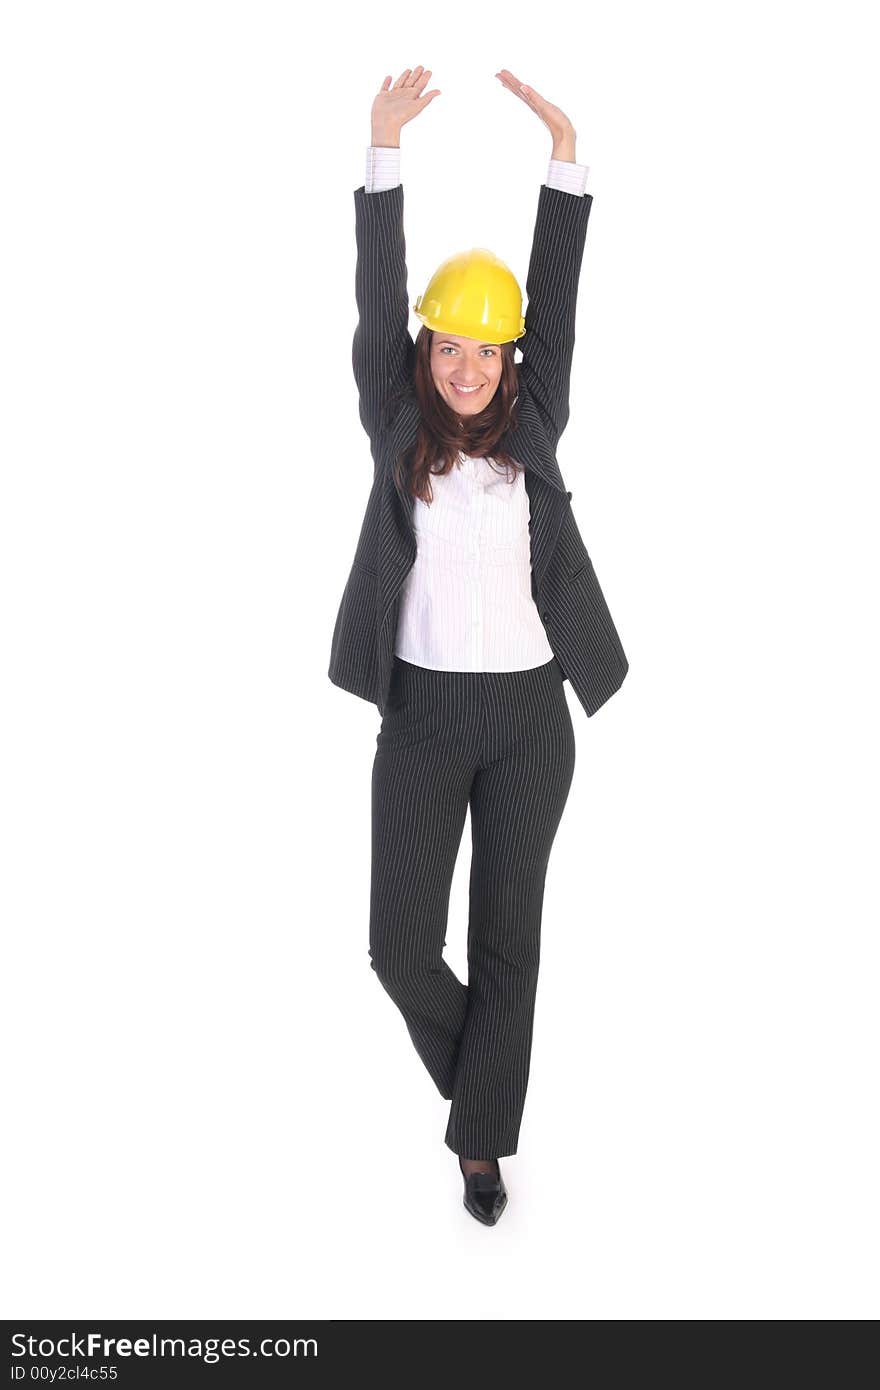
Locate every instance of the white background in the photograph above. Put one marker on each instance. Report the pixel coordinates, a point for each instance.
(214, 1110)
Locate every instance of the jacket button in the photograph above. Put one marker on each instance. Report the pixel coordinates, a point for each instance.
(568, 495)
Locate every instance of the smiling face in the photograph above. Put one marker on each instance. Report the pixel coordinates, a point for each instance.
(466, 372)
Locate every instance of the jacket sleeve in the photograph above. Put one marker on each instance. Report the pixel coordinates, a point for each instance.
(382, 350)
(552, 288)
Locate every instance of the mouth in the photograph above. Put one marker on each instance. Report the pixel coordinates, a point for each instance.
(465, 390)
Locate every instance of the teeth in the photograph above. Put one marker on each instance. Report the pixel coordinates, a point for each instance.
(466, 388)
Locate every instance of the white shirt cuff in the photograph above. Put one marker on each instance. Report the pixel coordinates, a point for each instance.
(567, 176)
(383, 171)
(383, 168)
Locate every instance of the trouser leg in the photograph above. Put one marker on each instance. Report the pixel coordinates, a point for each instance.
(516, 805)
(420, 786)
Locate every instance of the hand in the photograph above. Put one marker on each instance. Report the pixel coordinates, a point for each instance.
(556, 121)
(394, 106)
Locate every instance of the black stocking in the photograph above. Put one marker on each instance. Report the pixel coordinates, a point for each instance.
(478, 1165)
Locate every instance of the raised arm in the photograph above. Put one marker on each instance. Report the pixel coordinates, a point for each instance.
(552, 289)
(555, 264)
(382, 347)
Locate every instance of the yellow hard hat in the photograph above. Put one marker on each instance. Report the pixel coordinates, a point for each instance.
(473, 294)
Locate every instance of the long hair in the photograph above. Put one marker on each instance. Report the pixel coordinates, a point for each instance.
(440, 436)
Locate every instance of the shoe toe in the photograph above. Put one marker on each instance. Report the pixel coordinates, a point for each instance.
(485, 1197)
(490, 1207)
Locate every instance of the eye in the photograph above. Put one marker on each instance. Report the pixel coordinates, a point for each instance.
(447, 347)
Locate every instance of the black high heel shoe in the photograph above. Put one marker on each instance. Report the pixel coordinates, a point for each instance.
(485, 1195)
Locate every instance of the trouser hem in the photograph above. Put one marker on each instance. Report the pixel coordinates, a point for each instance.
(501, 1151)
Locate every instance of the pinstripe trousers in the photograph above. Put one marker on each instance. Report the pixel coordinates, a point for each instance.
(501, 743)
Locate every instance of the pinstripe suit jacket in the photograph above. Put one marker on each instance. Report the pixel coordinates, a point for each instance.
(573, 610)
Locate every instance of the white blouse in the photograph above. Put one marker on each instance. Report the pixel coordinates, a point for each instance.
(466, 604)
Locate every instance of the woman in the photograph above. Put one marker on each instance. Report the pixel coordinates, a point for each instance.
(474, 713)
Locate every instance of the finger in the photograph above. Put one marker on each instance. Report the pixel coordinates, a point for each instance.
(522, 87)
(384, 87)
(533, 102)
(510, 82)
(416, 74)
(423, 80)
(401, 81)
(534, 98)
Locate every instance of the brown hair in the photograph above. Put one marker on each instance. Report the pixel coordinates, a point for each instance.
(440, 437)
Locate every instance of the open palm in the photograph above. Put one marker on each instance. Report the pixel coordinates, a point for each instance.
(397, 104)
(554, 119)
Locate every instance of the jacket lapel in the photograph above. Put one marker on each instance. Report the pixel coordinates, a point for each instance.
(548, 499)
(397, 537)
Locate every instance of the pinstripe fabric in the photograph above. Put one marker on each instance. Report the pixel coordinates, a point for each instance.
(572, 607)
(552, 290)
(501, 743)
